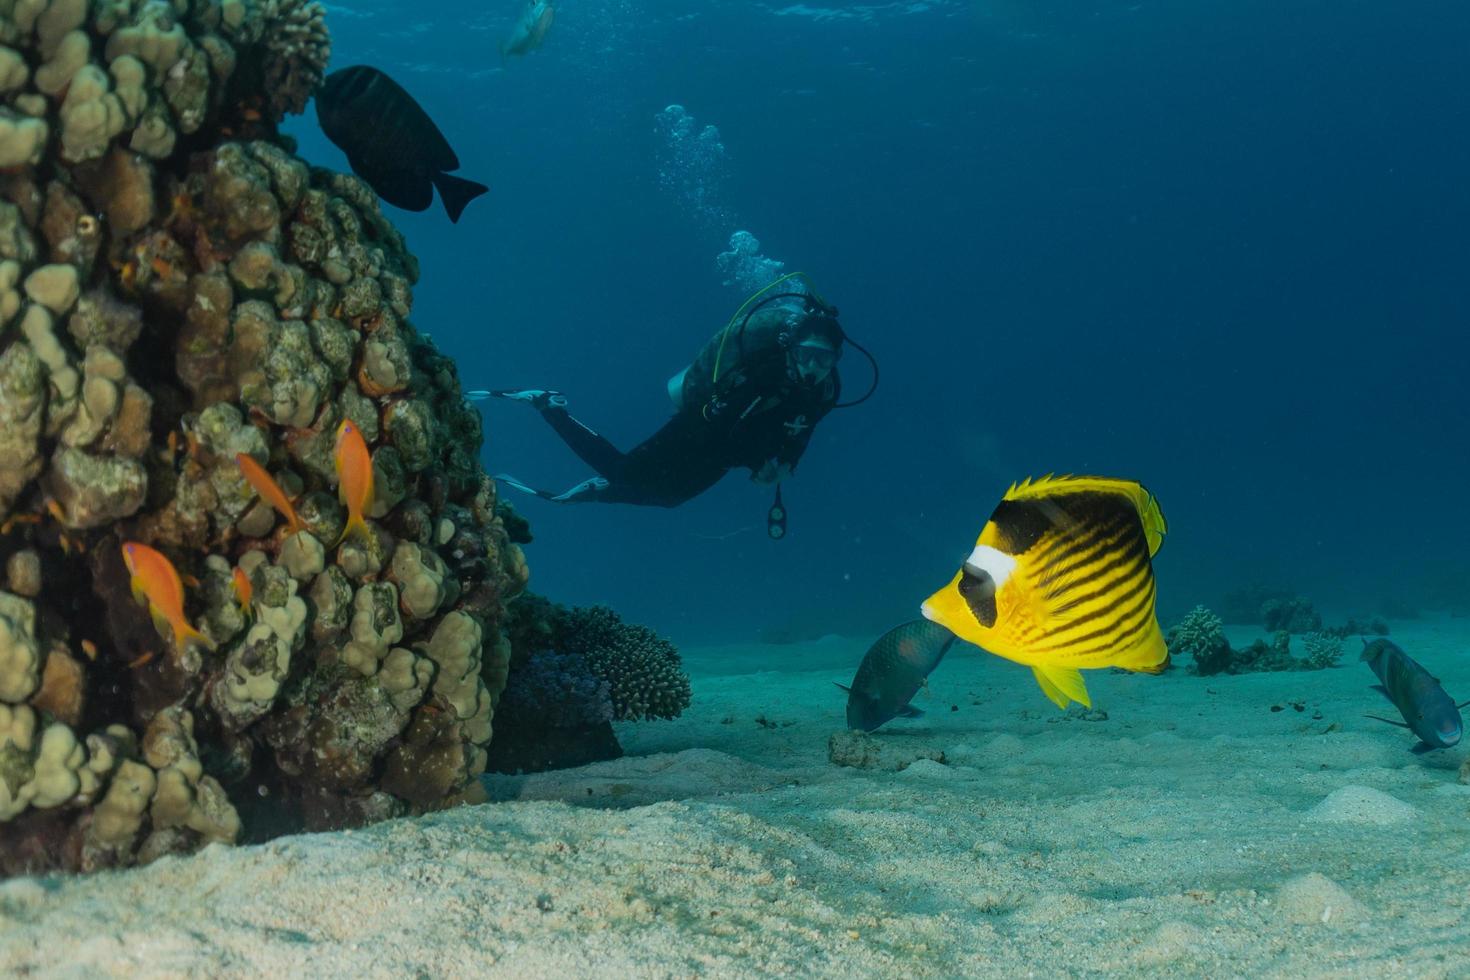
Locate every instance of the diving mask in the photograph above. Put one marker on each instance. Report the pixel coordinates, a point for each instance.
(812, 361)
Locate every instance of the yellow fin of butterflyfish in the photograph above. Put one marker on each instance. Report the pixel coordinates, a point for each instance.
(1062, 685)
(1149, 512)
(1150, 656)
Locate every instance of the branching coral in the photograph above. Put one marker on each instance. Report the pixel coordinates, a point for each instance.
(554, 714)
(1200, 634)
(643, 671)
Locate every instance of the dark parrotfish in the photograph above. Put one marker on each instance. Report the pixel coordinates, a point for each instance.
(1428, 711)
(391, 142)
(892, 671)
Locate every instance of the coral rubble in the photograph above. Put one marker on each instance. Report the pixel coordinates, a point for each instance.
(178, 290)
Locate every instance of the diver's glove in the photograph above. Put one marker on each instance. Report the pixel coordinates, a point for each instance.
(771, 471)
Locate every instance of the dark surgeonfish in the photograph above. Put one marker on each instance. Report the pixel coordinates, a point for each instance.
(390, 141)
(892, 671)
(1428, 711)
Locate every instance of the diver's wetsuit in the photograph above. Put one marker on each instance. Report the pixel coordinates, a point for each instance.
(762, 415)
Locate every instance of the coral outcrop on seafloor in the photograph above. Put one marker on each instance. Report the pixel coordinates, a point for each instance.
(643, 671)
(1201, 635)
(177, 288)
(573, 671)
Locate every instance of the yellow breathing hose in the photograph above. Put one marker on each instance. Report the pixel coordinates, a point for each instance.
(725, 334)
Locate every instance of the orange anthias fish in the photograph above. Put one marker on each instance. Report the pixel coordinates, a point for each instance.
(243, 589)
(354, 477)
(156, 581)
(270, 491)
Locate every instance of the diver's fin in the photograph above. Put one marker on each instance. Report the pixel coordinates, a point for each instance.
(1396, 724)
(586, 490)
(1062, 684)
(456, 192)
(909, 711)
(515, 484)
(478, 394)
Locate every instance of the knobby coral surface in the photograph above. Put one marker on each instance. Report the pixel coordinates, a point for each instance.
(176, 289)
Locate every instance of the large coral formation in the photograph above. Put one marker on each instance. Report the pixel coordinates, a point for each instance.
(175, 289)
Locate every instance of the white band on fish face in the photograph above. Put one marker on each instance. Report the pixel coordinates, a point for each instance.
(997, 564)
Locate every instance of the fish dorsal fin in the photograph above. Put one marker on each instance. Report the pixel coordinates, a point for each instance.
(1155, 527)
(1062, 685)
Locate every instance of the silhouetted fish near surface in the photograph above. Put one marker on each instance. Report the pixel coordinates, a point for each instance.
(530, 28)
(892, 671)
(1428, 711)
(391, 142)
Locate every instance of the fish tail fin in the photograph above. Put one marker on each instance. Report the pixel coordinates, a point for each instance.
(355, 525)
(183, 633)
(456, 192)
(1062, 684)
(294, 523)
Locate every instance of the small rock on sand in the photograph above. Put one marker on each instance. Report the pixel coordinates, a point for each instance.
(863, 751)
(1315, 899)
(1362, 805)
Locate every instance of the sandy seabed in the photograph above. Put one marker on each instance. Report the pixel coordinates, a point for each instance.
(1256, 825)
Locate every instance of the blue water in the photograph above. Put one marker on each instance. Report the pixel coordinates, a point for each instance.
(1218, 247)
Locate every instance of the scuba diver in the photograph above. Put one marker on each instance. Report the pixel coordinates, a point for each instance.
(752, 398)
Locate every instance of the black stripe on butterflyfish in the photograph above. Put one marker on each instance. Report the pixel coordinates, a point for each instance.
(1098, 548)
(1073, 518)
(1019, 524)
(1125, 624)
(977, 588)
(1101, 594)
(1108, 569)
